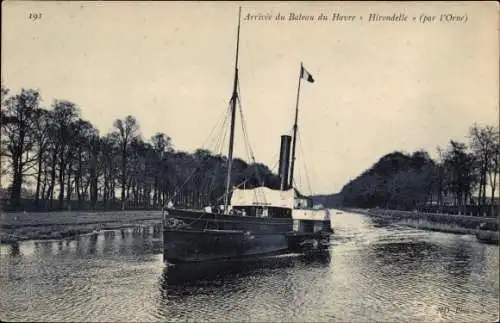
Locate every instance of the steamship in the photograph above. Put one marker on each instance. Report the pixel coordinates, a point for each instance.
(252, 222)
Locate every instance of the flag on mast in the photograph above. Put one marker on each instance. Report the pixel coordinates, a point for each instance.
(305, 74)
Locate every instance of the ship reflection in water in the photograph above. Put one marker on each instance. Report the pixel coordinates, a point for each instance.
(372, 271)
(177, 276)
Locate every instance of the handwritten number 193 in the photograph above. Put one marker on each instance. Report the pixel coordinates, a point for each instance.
(34, 16)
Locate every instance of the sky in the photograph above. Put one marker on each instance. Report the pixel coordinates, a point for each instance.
(379, 86)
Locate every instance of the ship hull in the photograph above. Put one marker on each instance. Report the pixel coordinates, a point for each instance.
(195, 236)
(195, 246)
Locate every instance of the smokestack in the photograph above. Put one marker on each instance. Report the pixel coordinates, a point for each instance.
(284, 161)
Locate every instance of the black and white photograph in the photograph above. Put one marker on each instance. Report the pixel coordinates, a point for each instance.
(249, 161)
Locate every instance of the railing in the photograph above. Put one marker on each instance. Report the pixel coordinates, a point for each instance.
(471, 210)
(29, 205)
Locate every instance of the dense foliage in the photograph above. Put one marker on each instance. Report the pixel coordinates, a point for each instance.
(55, 160)
(58, 160)
(460, 177)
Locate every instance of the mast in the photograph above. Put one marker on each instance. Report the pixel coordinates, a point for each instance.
(234, 97)
(295, 127)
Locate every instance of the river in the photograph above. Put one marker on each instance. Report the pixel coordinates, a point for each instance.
(373, 271)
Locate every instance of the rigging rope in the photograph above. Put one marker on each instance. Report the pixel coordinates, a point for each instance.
(232, 189)
(244, 128)
(248, 147)
(183, 184)
(221, 137)
(197, 168)
(218, 147)
(218, 142)
(305, 165)
(216, 126)
(249, 150)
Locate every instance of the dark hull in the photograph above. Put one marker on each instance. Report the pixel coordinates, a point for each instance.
(199, 220)
(194, 246)
(194, 236)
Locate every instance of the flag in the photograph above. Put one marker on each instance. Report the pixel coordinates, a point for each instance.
(305, 74)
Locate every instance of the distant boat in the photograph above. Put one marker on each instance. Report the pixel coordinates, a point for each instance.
(488, 233)
(252, 222)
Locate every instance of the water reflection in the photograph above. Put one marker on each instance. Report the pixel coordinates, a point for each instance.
(374, 271)
(92, 243)
(461, 262)
(238, 290)
(14, 249)
(218, 272)
(389, 253)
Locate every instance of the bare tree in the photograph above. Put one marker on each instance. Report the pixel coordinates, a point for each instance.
(70, 159)
(65, 114)
(494, 165)
(18, 118)
(125, 130)
(42, 124)
(461, 165)
(161, 147)
(84, 134)
(484, 145)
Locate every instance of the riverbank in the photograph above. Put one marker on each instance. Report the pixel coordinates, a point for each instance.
(450, 223)
(57, 225)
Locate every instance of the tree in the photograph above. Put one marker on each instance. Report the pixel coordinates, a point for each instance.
(94, 148)
(125, 131)
(84, 137)
(110, 166)
(65, 115)
(162, 146)
(43, 123)
(494, 164)
(3, 150)
(70, 159)
(18, 137)
(484, 145)
(461, 165)
(397, 181)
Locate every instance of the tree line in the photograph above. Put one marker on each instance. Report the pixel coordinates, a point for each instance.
(465, 174)
(54, 159)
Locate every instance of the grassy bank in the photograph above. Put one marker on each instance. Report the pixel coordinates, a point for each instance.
(437, 226)
(452, 223)
(57, 225)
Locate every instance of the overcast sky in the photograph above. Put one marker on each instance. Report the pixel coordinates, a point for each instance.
(380, 86)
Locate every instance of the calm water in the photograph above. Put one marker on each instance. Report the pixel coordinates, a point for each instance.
(373, 272)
